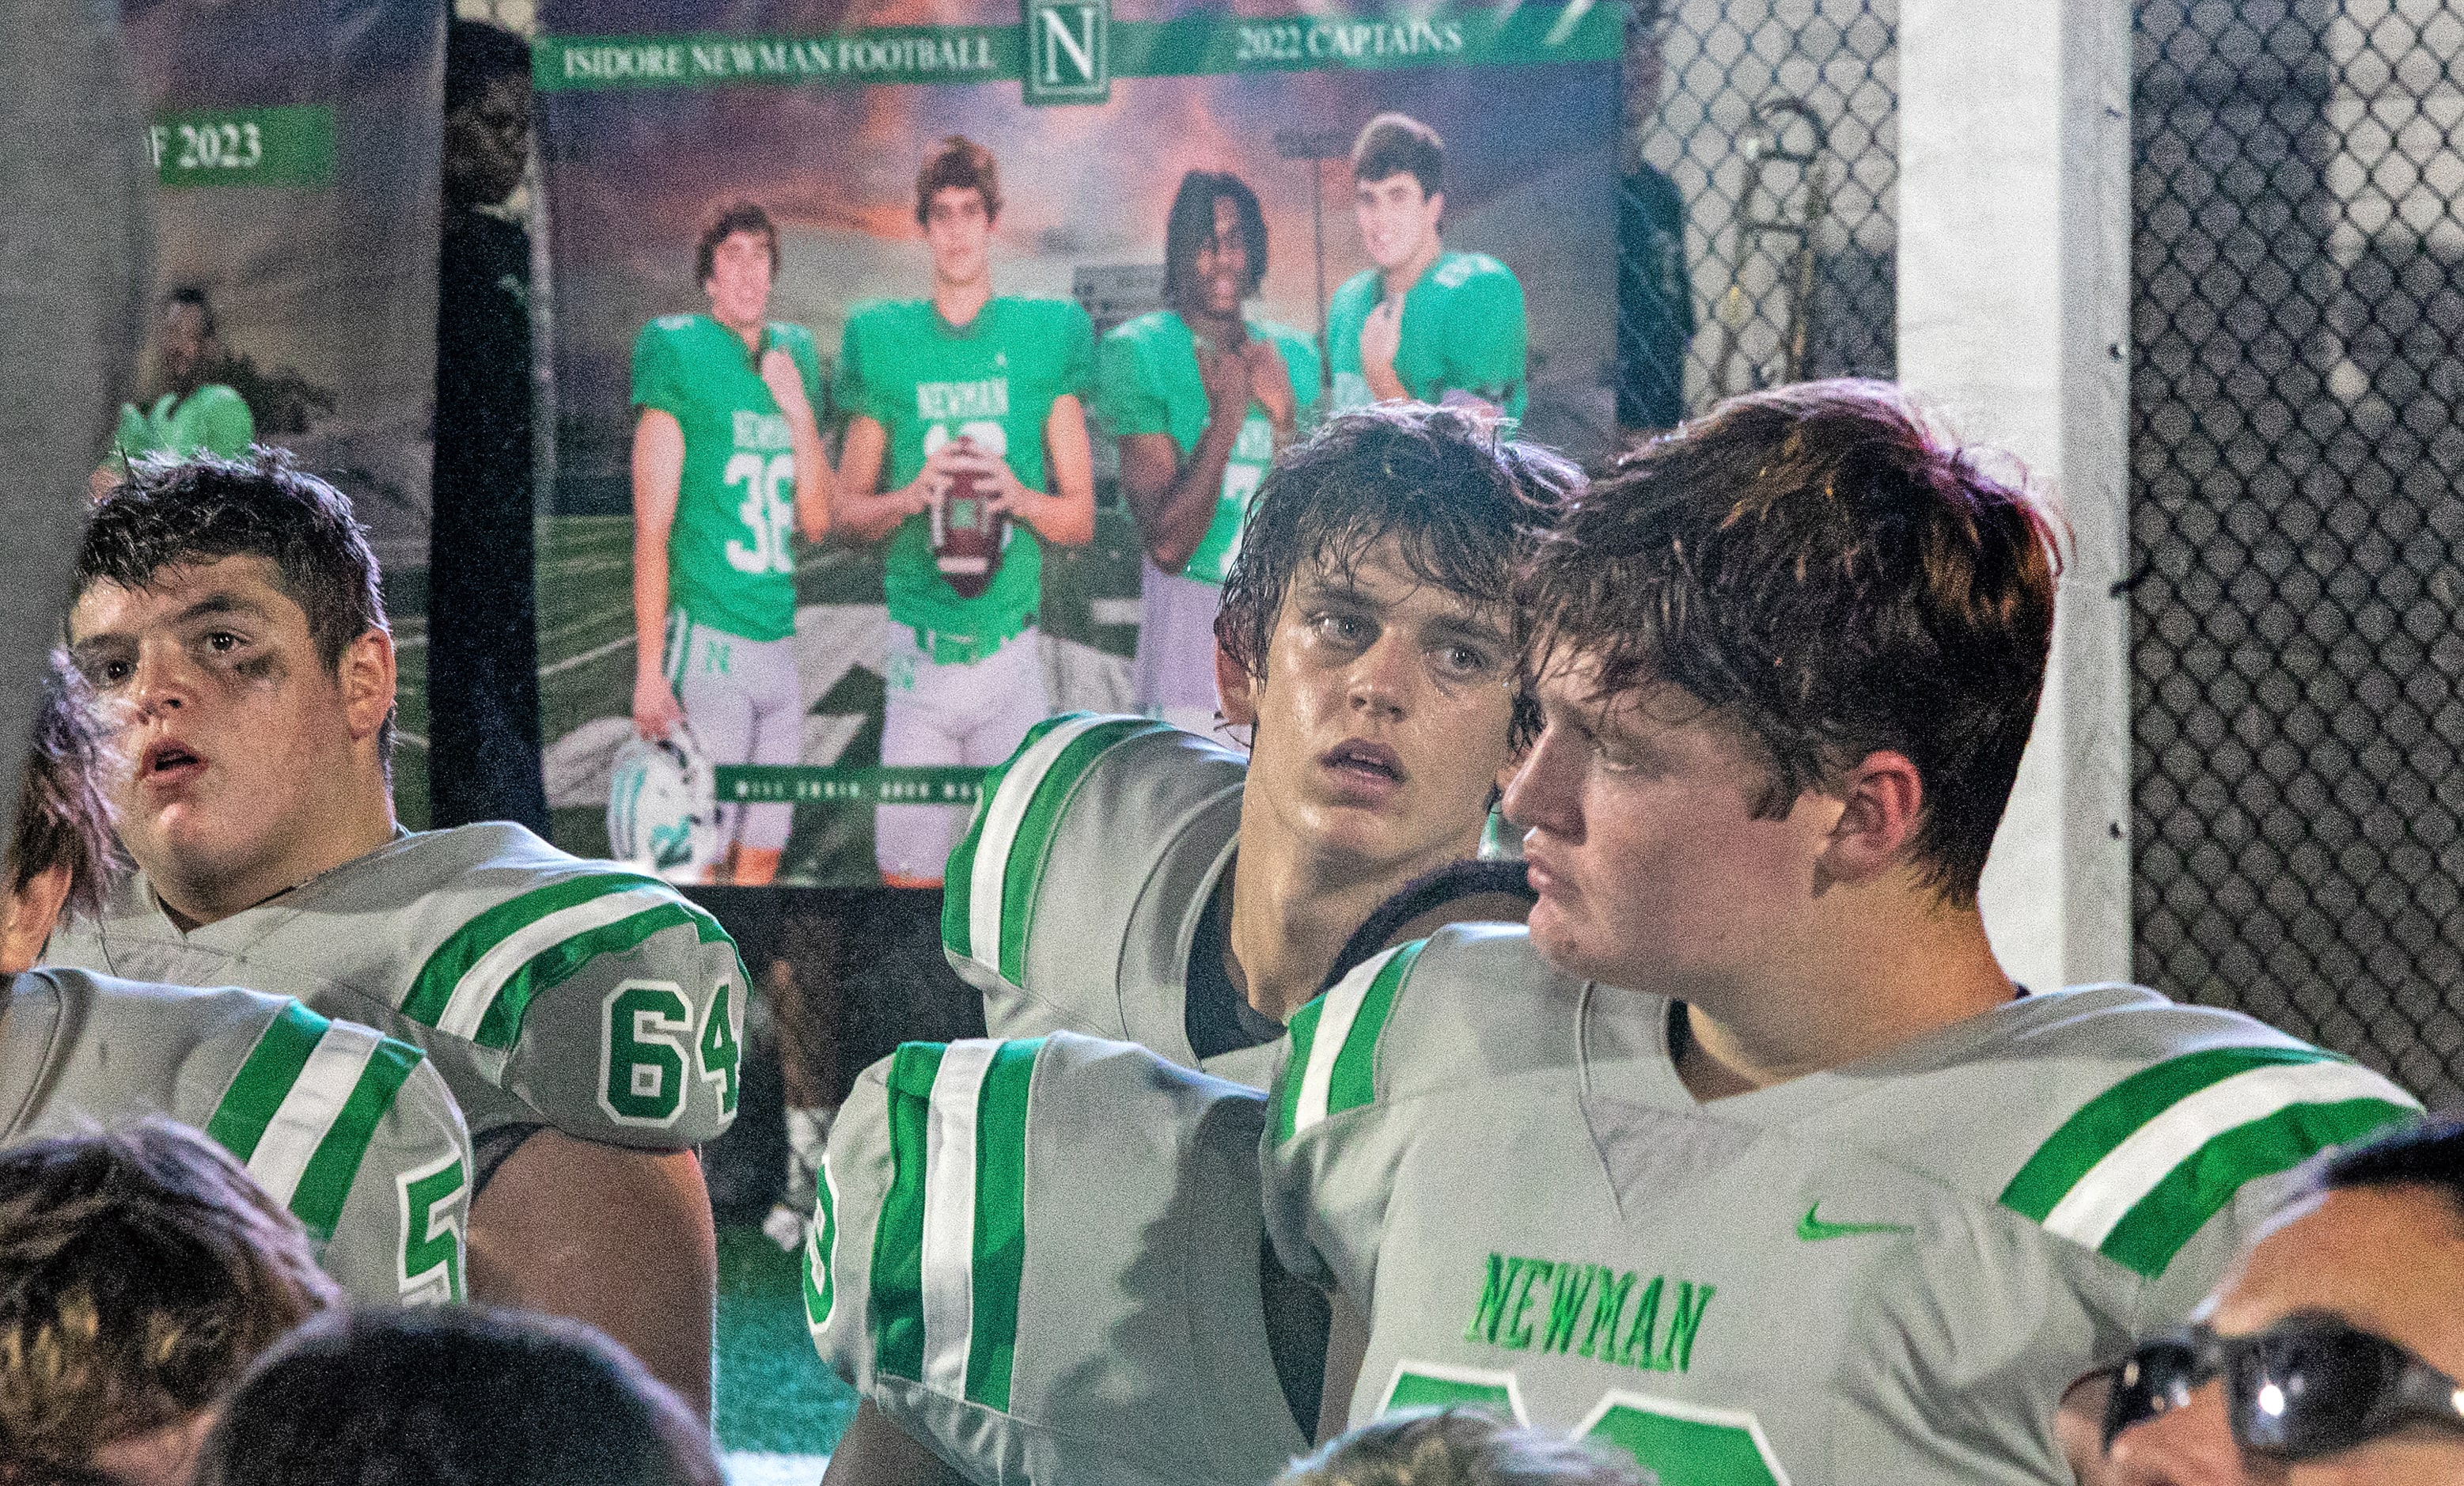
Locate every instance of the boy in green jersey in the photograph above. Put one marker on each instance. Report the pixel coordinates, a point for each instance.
(193, 415)
(1425, 323)
(728, 470)
(1200, 398)
(961, 389)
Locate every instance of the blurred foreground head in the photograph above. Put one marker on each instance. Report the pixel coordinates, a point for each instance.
(1458, 1447)
(471, 1396)
(141, 1273)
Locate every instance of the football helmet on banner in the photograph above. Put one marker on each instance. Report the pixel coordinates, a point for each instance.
(663, 804)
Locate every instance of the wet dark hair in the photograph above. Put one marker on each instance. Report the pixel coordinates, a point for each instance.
(1191, 223)
(458, 1394)
(958, 164)
(63, 818)
(476, 53)
(170, 514)
(1393, 144)
(1822, 569)
(1460, 499)
(725, 222)
(2426, 1152)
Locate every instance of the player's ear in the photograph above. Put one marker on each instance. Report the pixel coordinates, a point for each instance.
(26, 917)
(367, 676)
(1236, 690)
(1881, 800)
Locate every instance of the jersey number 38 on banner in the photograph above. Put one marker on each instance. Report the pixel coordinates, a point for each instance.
(769, 511)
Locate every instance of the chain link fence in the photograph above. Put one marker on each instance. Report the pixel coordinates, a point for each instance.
(1757, 222)
(2298, 299)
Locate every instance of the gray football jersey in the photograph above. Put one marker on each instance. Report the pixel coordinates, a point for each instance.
(352, 1131)
(1043, 1258)
(1073, 899)
(547, 990)
(1888, 1271)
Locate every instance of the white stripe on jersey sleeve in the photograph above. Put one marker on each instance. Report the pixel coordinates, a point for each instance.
(1002, 821)
(1333, 1029)
(949, 1259)
(477, 989)
(307, 1112)
(2090, 1211)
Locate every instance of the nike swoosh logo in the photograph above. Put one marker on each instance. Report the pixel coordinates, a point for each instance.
(1814, 1230)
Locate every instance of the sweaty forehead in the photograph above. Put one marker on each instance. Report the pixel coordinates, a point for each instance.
(2388, 1259)
(242, 583)
(1376, 573)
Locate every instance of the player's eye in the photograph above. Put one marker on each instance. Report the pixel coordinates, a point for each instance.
(110, 674)
(1460, 662)
(1341, 628)
(222, 642)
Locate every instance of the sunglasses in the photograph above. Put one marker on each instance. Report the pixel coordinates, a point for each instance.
(2307, 1387)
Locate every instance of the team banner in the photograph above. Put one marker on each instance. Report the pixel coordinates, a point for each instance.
(955, 281)
(296, 146)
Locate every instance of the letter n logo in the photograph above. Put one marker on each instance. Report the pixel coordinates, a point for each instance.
(1068, 50)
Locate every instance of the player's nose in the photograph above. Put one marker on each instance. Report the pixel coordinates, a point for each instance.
(1379, 682)
(1545, 792)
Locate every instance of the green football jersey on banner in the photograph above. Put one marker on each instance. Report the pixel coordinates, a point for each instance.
(1888, 1271)
(993, 383)
(1147, 381)
(548, 991)
(1073, 898)
(212, 420)
(351, 1130)
(1042, 1259)
(1463, 331)
(731, 554)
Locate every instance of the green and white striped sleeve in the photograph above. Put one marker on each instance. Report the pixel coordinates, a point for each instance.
(2161, 1167)
(603, 1000)
(356, 1134)
(988, 897)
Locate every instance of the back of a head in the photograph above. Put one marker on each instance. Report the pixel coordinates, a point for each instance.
(1835, 577)
(1458, 1447)
(63, 820)
(463, 1395)
(1460, 499)
(141, 1273)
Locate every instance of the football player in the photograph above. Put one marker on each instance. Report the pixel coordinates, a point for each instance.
(585, 1018)
(966, 419)
(1200, 399)
(728, 471)
(351, 1130)
(1366, 642)
(1130, 880)
(1425, 323)
(1761, 1169)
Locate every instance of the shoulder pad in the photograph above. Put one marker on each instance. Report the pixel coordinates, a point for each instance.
(668, 324)
(1029, 1311)
(1070, 898)
(2156, 1116)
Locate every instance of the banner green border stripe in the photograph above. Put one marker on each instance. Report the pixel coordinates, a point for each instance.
(2178, 1207)
(446, 966)
(2091, 1133)
(896, 1305)
(957, 877)
(264, 1079)
(325, 1183)
(1024, 871)
(1205, 45)
(1298, 1034)
(1000, 1220)
(1353, 1082)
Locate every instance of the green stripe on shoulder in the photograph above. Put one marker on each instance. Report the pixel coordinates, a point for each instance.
(325, 1184)
(1000, 1220)
(895, 1310)
(264, 1079)
(2195, 1191)
(1300, 1035)
(957, 877)
(2104, 1123)
(1024, 872)
(1353, 1082)
(446, 966)
(502, 1025)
